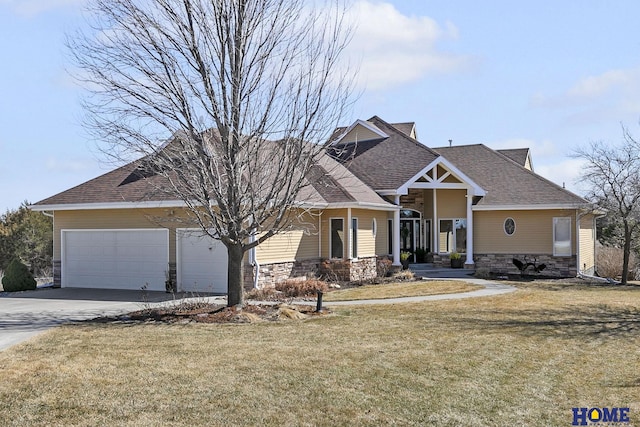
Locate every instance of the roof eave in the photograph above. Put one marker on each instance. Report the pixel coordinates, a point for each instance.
(548, 206)
(108, 205)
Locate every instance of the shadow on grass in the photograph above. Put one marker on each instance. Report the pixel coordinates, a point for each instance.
(592, 322)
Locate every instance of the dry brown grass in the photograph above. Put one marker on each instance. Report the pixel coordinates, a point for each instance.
(524, 358)
(402, 289)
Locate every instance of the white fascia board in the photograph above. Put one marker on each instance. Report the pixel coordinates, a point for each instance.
(109, 205)
(373, 128)
(357, 205)
(391, 192)
(476, 189)
(365, 205)
(525, 207)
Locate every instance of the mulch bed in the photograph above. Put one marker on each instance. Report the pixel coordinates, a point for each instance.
(202, 312)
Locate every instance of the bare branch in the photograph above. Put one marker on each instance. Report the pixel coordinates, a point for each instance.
(228, 101)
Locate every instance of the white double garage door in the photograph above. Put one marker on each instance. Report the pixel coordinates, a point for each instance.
(139, 258)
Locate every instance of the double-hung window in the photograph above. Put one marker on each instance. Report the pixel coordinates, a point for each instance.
(562, 236)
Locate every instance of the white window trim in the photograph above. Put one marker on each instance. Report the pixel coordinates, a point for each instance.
(353, 238)
(454, 234)
(504, 226)
(374, 228)
(331, 236)
(553, 237)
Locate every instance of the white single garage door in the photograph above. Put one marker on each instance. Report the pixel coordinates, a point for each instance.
(202, 263)
(115, 259)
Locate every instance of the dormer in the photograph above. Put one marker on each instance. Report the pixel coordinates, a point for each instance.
(360, 130)
(408, 128)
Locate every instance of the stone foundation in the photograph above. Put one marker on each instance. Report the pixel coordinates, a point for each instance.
(349, 270)
(273, 273)
(340, 270)
(502, 264)
(57, 273)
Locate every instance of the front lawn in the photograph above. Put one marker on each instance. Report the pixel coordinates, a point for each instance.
(525, 358)
(401, 289)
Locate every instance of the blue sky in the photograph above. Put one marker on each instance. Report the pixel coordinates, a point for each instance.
(549, 75)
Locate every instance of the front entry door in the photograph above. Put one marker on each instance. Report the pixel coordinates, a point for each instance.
(410, 236)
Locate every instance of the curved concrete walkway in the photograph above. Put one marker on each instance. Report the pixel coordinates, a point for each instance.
(26, 314)
(490, 289)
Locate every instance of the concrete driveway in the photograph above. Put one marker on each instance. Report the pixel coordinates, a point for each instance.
(25, 314)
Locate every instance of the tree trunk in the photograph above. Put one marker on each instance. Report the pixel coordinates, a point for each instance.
(626, 253)
(235, 285)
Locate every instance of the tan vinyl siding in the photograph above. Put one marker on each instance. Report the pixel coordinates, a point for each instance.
(100, 219)
(534, 231)
(451, 203)
(297, 244)
(360, 133)
(587, 235)
(428, 204)
(369, 246)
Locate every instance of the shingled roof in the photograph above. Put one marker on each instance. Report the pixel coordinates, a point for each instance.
(384, 163)
(507, 182)
(518, 155)
(328, 183)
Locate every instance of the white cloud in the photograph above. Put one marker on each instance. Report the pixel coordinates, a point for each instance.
(619, 87)
(31, 8)
(564, 171)
(596, 86)
(394, 49)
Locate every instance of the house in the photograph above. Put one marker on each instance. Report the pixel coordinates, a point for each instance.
(377, 191)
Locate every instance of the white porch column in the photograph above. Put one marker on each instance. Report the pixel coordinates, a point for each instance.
(469, 260)
(436, 223)
(396, 232)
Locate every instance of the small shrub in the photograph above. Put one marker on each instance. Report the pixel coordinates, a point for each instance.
(455, 255)
(301, 288)
(404, 275)
(384, 265)
(483, 273)
(17, 277)
(609, 262)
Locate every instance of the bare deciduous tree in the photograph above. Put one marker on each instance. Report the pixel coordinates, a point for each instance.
(242, 91)
(612, 174)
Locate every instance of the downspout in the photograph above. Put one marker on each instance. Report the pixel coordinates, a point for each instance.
(578, 270)
(53, 235)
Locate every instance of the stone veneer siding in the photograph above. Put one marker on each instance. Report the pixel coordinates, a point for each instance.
(503, 264)
(57, 273)
(344, 270)
(272, 273)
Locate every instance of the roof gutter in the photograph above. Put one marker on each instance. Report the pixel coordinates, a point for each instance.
(525, 207)
(109, 205)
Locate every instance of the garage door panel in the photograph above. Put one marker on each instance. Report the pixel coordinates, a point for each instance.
(202, 263)
(115, 259)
